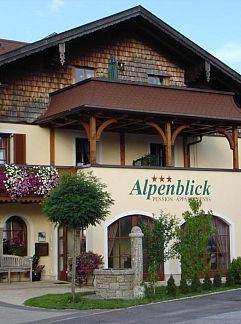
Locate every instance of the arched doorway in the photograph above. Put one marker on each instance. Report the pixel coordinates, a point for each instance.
(15, 236)
(119, 248)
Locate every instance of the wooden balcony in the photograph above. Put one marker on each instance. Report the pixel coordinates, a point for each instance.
(32, 198)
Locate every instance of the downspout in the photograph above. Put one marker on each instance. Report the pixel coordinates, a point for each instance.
(188, 148)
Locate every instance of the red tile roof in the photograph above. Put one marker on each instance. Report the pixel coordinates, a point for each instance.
(7, 45)
(136, 97)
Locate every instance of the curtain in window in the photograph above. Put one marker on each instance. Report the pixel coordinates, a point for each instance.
(112, 231)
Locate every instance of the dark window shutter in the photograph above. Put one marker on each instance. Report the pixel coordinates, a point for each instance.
(20, 148)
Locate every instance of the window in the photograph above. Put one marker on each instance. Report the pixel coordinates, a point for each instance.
(13, 148)
(82, 73)
(82, 151)
(15, 236)
(158, 154)
(158, 79)
(119, 246)
(4, 149)
(218, 246)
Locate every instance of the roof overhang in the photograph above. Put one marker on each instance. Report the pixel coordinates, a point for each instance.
(131, 101)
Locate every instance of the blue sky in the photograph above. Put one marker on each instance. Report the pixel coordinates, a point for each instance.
(215, 25)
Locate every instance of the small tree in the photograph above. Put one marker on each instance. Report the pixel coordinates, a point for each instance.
(158, 236)
(217, 280)
(207, 282)
(229, 278)
(193, 238)
(153, 275)
(77, 202)
(235, 269)
(171, 288)
(195, 283)
(183, 287)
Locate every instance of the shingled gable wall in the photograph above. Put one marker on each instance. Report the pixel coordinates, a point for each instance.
(25, 94)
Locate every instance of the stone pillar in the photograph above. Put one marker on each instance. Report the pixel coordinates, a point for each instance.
(136, 236)
(1, 240)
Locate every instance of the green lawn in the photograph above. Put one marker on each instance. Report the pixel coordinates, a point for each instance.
(64, 301)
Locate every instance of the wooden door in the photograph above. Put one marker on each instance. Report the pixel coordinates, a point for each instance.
(62, 253)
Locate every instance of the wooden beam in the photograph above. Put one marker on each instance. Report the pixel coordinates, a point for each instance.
(177, 132)
(103, 126)
(92, 139)
(235, 148)
(186, 155)
(168, 144)
(159, 131)
(122, 149)
(86, 128)
(228, 136)
(52, 145)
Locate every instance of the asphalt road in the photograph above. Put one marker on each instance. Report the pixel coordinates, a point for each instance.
(218, 309)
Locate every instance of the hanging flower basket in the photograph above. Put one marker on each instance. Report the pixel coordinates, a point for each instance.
(20, 182)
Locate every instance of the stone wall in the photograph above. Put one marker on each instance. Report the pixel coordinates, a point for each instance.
(114, 283)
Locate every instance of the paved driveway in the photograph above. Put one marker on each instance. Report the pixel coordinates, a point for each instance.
(218, 308)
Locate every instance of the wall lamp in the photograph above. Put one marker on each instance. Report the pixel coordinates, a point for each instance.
(121, 65)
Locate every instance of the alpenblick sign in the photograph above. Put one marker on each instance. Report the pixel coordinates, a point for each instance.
(169, 187)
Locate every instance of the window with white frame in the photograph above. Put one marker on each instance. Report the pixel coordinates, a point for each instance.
(82, 73)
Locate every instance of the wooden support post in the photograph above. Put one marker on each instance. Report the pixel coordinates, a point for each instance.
(122, 149)
(92, 139)
(168, 144)
(186, 156)
(235, 148)
(52, 146)
(1, 241)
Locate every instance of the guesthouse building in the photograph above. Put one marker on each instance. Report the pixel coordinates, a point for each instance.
(153, 115)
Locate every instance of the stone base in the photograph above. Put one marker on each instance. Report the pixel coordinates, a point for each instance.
(114, 283)
(139, 292)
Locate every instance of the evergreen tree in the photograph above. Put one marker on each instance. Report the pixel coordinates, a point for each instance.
(207, 282)
(229, 278)
(183, 287)
(195, 284)
(171, 288)
(217, 280)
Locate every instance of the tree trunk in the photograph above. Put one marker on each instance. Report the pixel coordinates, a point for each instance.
(74, 267)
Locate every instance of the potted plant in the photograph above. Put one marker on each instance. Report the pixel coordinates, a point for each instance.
(36, 268)
(86, 262)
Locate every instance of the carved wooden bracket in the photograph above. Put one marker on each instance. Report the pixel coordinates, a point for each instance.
(159, 131)
(177, 132)
(227, 135)
(103, 126)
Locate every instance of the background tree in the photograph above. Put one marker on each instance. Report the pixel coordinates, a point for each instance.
(159, 237)
(77, 202)
(192, 240)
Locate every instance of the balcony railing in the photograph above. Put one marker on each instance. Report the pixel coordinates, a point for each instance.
(28, 183)
(148, 160)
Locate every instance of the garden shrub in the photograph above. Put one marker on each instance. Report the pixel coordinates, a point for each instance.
(235, 269)
(217, 280)
(195, 284)
(229, 278)
(207, 282)
(171, 288)
(183, 287)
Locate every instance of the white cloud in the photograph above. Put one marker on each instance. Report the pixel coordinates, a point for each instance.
(53, 7)
(230, 53)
